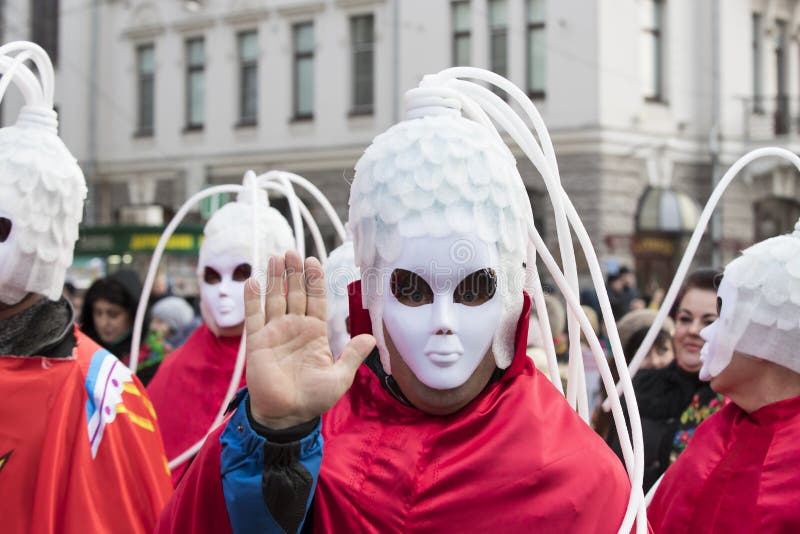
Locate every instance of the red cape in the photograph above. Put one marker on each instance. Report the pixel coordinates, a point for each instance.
(50, 480)
(739, 474)
(517, 458)
(189, 387)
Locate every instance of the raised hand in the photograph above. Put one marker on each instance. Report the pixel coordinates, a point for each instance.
(291, 373)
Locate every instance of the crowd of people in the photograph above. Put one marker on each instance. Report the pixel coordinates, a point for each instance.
(420, 408)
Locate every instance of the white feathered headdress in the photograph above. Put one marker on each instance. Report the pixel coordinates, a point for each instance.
(42, 188)
(438, 174)
(760, 312)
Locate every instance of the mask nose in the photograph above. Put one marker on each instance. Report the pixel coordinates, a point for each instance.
(443, 317)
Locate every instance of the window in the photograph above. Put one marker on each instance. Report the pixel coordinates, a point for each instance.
(195, 83)
(462, 39)
(44, 26)
(652, 54)
(362, 39)
(536, 49)
(498, 37)
(758, 104)
(145, 67)
(248, 77)
(303, 36)
(782, 120)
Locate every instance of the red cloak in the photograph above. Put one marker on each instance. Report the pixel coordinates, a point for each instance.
(517, 458)
(189, 388)
(739, 474)
(79, 447)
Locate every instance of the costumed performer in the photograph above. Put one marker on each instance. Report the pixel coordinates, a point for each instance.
(79, 446)
(191, 383)
(446, 401)
(739, 472)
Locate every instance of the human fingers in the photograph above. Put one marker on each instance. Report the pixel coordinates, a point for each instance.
(295, 286)
(315, 289)
(275, 303)
(353, 355)
(253, 316)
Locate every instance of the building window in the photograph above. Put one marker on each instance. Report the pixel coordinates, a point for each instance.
(536, 48)
(44, 26)
(758, 104)
(303, 37)
(145, 67)
(498, 37)
(781, 119)
(362, 39)
(248, 77)
(652, 53)
(461, 17)
(195, 83)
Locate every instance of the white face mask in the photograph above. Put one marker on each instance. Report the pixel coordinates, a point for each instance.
(722, 335)
(441, 307)
(222, 289)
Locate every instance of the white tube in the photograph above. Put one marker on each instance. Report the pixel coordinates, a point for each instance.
(43, 64)
(294, 211)
(319, 242)
(635, 507)
(694, 242)
(138, 321)
(319, 197)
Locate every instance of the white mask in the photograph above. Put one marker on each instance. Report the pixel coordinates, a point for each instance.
(222, 288)
(443, 339)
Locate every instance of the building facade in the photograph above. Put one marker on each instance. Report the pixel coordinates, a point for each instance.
(648, 102)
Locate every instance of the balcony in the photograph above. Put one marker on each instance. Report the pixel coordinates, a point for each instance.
(766, 118)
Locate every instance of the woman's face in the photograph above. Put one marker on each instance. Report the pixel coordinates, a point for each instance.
(697, 309)
(111, 321)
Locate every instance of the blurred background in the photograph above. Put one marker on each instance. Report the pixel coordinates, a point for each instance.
(648, 102)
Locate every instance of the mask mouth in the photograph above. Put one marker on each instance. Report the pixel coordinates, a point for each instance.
(443, 359)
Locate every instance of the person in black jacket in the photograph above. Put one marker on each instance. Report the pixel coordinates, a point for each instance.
(673, 400)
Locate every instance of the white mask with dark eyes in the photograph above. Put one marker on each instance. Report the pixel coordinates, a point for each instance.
(222, 288)
(6, 241)
(441, 307)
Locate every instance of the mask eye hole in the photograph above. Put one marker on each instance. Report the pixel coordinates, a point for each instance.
(410, 289)
(5, 229)
(476, 288)
(719, 306)
(211, 276)
(242, 272)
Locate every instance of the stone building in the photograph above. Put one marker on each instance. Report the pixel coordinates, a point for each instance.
(647, 101)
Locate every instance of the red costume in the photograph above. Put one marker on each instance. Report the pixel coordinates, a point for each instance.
(79, 447)
(739, 474)
(517, 458)
(189, 388)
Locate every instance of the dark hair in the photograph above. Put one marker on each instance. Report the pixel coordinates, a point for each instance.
(705, 278)
(121, 288)
(636, 339)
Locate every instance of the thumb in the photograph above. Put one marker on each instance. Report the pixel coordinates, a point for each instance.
(353, 355)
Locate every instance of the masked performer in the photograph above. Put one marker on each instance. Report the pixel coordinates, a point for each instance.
(340, 272)
(447, 426)
(79, 447)
(190, 386)
(739, 472)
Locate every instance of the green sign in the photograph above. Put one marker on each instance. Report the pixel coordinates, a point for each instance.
(108, 240)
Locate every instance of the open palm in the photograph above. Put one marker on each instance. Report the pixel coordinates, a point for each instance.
(291, 373)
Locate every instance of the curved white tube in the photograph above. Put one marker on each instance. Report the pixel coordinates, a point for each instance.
(306, 184)
(512, 123)
(308, 218)
(652, 493)
(43, 64)
(635, 508)
(138, 321)
(694, 242)
(294, 211)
